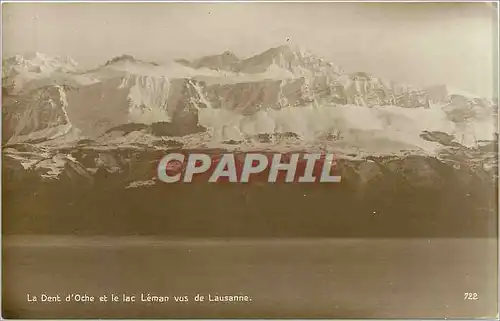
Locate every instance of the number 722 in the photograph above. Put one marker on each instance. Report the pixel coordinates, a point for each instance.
(471, 296)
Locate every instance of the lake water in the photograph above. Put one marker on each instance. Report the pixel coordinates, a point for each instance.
(293, 278)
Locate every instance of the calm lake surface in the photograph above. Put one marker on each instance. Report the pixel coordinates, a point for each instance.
(294, 278)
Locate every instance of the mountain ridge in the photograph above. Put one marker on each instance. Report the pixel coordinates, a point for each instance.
(126, 89)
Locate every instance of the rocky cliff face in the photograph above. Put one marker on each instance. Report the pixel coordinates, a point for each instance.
(43, 111)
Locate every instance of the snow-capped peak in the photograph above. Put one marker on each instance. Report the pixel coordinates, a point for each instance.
(36, 62)
(460, 92)
(291, 58)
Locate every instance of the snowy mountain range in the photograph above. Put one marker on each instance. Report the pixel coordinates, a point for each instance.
(296, 99)
(39, 89)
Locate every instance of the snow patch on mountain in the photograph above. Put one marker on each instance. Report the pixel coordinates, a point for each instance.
(127, 65)
(392, 127)
(460, 92)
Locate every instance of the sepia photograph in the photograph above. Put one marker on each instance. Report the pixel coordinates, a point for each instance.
(243, 160)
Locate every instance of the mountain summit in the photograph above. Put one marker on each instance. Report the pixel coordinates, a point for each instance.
(225, 61)
(292, 59)
(37, 63)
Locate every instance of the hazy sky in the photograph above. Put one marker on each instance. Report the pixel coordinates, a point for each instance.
(417, 43)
